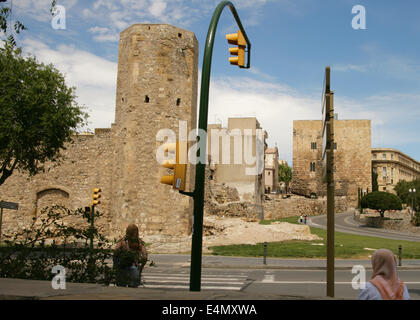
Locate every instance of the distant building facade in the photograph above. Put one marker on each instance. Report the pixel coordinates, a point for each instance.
(393, 166)
(352, 153)
(271, 170)
(221, 144)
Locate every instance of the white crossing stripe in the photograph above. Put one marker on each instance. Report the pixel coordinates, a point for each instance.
(182, 281)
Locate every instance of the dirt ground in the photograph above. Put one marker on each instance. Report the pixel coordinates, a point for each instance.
(226, 231)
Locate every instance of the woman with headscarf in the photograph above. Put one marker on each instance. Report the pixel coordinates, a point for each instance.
(130, 257)
(385, 284)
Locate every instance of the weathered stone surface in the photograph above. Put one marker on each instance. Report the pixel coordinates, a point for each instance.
(276, 207)
(156, 88)
(352, 158)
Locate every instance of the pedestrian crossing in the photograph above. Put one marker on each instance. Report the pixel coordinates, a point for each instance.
(209, 281)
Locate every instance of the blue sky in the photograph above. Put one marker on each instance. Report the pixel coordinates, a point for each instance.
(375, 72)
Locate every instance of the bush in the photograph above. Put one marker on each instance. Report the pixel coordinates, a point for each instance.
(381, 201)
(415, 220)
(33, 252)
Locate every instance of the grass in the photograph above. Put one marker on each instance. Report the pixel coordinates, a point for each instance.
(346, 246)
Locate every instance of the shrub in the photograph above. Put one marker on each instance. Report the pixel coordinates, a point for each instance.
(416, 219)
(33, 252)
(381, 201)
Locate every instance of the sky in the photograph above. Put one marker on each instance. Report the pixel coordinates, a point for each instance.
(375, 70)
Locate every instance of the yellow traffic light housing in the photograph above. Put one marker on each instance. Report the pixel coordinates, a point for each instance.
(179, 165)
(95, 196)
(239, 51)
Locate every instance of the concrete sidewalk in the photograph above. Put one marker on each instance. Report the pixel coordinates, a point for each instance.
(223, 262)
(18, 289)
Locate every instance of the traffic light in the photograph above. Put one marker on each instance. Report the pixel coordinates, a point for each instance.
(178, 165)
(95, 196)
(239, 51)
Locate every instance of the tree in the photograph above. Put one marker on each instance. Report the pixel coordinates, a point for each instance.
(381, 201)
(285, 174)
(38, 113)
(375, 186)
(402, 189)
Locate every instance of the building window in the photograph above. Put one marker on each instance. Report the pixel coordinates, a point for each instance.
(384, 171)
(384, 156)
(313, 145)
(374, 156)
(392, 172)
(268, 172)
(392, 156)
(384, 188)
(375, 170)
(312, 166)
(335, 145)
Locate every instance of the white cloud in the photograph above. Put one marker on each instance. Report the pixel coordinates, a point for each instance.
(157, 8)
(349, 67)
(276, 106)
(94, 78)
(39, 9)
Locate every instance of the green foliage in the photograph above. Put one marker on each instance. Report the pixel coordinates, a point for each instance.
(415, 220)
(381, 201)
(28, 256)
(375, 186)
(346, 246)
(38, 113)
(285, 173)
(402, 188)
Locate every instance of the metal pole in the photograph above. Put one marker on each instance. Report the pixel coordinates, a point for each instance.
(330, 187)
(91, 227)
(399, 255)
(1, 220)
(265, 252)
(197, 236)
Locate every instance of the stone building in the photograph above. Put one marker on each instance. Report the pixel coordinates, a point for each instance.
(393, 166)
(233, 156)
(271, 170)
(156, 88)
(352, 151)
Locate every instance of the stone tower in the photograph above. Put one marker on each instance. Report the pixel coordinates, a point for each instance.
(156, 88)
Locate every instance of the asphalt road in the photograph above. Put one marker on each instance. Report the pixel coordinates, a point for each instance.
(344, 222)
(298, 283)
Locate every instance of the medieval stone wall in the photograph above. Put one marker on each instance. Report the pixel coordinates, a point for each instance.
(276, 207)
(156, 88)
(84, 166)
(352, 157)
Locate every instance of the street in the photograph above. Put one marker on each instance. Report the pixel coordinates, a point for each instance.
(288, 277)
(308, 283)
(344, 222)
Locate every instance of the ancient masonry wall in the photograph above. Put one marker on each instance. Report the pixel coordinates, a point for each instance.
(352, 157)
(275, 207)
(85, 165)
(156, 88)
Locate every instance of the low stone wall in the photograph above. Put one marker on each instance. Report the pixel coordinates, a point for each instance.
(276, 207)
(401, 220)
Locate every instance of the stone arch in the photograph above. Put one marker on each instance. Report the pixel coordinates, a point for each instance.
(51, 196)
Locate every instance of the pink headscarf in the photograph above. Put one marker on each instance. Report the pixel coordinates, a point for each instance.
(385, 277)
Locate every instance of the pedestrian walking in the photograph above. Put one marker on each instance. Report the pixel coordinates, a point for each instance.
(384, 284)
(130, 257)
(301, 219)
(306, 217)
